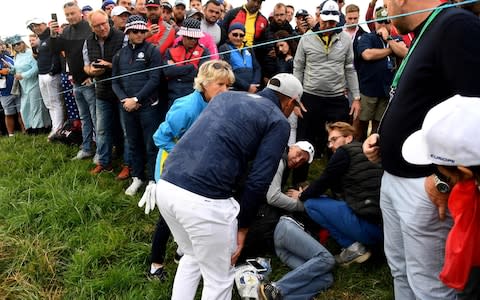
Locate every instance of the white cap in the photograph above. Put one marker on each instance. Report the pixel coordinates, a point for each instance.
(35, 20)
(307, 147)
(181, 2)
(118, 10)
(329, 11)
(289, 86)
(449, 135)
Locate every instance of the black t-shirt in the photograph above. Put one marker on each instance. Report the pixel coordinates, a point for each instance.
(445, 62)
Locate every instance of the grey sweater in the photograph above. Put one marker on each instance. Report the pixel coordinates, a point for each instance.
(276, 198)
(326, 71)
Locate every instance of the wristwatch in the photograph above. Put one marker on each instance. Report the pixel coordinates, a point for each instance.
(441, 185)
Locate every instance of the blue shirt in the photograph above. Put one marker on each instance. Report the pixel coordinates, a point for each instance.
(236, 131)
(374, 76)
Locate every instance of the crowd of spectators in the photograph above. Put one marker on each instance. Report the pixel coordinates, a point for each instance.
(134, 76)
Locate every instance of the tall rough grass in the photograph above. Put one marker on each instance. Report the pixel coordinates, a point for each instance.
(65, 234)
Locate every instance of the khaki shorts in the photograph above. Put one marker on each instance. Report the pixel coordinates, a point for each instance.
(372, 108)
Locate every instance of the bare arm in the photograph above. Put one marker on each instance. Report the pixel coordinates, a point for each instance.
(376, 54)
(398, 48)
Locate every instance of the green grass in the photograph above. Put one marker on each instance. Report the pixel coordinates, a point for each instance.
(65, 234)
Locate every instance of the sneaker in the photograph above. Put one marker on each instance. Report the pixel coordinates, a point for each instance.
(99, 169)
(124, 173)
(96, 159)
(51, 136)
(82, 155)
(159, 274)
(268, 291)
(356, 252)
(133, 188)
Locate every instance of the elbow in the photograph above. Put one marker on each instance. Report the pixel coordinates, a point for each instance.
(367, 56)
(272, 198)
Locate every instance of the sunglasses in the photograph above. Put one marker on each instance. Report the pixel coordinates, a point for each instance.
(330, 12)
(219, 66)
(235, 34)
(136, 31)
(384, 22)
(16, 44)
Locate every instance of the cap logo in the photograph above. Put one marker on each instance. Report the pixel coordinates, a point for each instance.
(444, 159)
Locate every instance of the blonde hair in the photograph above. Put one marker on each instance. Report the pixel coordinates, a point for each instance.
(94, 13)
(211, 71)
(345, 129)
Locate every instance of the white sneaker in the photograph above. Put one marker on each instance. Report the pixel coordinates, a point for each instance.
(96, 159)
(82, 155)
(133, 188)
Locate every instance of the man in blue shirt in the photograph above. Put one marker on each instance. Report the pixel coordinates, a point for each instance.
(378, 53)
(238, 135)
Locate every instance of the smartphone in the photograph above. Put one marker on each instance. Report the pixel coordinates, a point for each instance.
(100, 66)
(54, 17)
(256, 265)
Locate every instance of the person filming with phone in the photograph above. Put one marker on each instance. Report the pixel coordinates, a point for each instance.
(98, 52)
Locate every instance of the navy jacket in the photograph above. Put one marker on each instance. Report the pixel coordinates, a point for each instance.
(237, 134)
(143, 85)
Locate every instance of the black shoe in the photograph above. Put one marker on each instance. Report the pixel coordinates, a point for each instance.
(268, 291)
(177, 258)
(160, 275)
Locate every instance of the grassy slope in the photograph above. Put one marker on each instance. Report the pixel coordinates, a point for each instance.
(65, 234)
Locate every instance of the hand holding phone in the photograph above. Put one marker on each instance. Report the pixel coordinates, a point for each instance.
(54, 27)
(97, 64)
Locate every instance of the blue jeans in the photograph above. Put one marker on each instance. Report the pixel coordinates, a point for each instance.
(342, 223)
(85, 97)
(310, 262)
(140, 125)
(108, 128)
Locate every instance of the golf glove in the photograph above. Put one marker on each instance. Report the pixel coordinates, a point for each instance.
(149, 197)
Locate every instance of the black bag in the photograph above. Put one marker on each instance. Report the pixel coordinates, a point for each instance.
(259, 240)
(69, 134)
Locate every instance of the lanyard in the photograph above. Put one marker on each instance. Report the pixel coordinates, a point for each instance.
(405, 60)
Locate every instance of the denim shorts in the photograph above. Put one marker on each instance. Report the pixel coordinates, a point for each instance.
(10, 104)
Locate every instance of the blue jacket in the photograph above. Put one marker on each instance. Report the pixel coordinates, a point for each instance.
(244, 65)
(143, 85)
(9, 77)
(237, 134)
(179, 118)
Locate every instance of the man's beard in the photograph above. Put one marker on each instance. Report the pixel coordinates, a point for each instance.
(155, 19)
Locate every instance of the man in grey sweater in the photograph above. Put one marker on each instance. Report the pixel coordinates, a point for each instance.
(324, 64)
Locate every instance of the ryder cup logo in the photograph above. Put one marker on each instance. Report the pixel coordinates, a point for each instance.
(444, 159)
(140, 55)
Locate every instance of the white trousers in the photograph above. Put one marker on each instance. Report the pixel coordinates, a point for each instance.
(206, 232)
(414, 239)
(50, 90)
